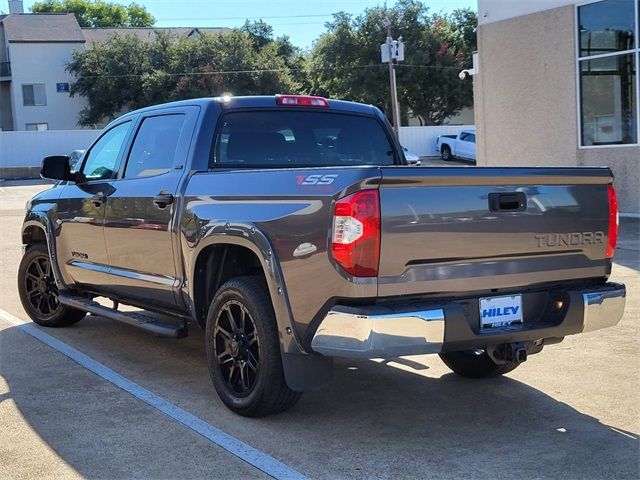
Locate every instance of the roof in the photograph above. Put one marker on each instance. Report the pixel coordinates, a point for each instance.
(99, 35)
(42, 27)
(261, 102)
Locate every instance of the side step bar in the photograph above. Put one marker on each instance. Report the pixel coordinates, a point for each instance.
(135, 319)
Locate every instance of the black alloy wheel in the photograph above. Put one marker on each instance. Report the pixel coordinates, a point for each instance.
(39, 292)
(40, 286)
(237, 348)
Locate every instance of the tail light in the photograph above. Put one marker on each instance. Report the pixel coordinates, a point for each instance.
(301, 101)
(356, 233)
(612, 238)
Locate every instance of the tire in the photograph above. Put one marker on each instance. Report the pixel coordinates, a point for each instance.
(475, 364)
(244, 357)
(39, 293)
(445, 153)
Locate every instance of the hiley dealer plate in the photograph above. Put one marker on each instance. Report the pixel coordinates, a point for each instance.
(500, 311)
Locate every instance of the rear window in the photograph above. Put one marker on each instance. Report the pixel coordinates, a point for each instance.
(279, 138)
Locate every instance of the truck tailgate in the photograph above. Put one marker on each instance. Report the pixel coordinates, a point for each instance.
(448, 230)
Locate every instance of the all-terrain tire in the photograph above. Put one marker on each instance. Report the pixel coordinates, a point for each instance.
(255, 342)
(475, 364)
(39, 293)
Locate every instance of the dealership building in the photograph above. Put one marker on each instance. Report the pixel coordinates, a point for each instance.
(556, 84)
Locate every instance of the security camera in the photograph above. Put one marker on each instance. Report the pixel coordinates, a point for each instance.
(463, 74)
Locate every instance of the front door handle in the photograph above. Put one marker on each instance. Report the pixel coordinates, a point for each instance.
(98, 199)
(162, 200)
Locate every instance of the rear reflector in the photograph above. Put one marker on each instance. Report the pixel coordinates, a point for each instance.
(301, 101)
(355, 241)
(612, 238)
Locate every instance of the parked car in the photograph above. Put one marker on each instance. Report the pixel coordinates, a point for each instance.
(412, 158)
(462, 146)
(289, 248)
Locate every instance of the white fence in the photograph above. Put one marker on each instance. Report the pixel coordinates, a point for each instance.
(422, 140)
(27, 149)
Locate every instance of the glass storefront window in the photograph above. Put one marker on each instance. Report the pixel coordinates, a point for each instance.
(607, 66)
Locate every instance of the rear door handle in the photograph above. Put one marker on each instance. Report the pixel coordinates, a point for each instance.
(98, 199)
(162, 200)
(508, 202)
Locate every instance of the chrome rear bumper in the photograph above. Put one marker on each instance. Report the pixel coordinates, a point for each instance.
(358, 333)
(603, 309)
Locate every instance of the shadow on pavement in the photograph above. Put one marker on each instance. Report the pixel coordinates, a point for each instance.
(374, 420)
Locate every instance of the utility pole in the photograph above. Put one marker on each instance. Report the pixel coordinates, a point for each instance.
(394, 50)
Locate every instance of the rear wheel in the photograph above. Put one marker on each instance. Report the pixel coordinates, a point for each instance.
(39, 293)
(445, 152)
(475, 364)
(243, 350)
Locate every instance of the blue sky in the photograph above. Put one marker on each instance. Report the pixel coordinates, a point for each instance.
(302, 20)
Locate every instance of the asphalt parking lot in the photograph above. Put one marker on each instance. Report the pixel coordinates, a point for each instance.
(572, 411)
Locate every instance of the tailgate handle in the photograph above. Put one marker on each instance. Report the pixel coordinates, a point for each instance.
(507, 202)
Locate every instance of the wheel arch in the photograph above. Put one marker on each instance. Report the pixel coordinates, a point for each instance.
(37, 227)
(242, 250)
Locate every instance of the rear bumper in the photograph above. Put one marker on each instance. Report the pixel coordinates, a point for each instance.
(383, 332)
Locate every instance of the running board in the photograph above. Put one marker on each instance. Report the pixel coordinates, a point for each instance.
(135, 319)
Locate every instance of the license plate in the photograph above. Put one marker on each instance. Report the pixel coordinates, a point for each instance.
(500, 311)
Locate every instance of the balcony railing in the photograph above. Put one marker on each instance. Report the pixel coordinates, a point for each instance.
(5, 69)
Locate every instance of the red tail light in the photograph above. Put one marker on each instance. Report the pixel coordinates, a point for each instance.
(301, 101)
(356, 233)
(613, 222)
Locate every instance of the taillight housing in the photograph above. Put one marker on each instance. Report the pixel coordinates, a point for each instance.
(612, 238)
(301, 101)
(355, 239)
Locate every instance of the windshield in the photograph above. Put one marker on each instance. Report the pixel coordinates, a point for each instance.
(278, 138)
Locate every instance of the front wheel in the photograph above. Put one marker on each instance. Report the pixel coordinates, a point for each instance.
(243, 350)
(39, 293)
(475, 364)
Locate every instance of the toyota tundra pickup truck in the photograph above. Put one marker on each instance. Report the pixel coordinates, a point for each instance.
(292, 231)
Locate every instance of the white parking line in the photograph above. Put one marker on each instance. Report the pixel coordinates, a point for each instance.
(252, 456)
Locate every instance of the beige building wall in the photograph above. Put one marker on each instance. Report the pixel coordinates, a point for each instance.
(526, 101)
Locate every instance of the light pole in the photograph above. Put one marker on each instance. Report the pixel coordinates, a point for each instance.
(390, 50)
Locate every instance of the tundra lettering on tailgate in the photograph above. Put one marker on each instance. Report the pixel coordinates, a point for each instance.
(570, 239)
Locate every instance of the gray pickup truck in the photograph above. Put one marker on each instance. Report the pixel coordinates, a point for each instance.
(292, 231)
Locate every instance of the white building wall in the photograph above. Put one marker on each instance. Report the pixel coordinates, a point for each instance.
(44, 63)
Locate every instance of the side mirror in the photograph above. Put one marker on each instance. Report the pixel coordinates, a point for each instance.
(56, 167)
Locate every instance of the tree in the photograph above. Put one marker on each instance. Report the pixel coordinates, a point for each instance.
(125, 72)
(345, 61)
(98, 13)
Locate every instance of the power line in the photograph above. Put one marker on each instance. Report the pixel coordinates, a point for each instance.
(270, 70)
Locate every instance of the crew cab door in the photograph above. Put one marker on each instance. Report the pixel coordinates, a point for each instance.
(141, 212)
(465, 145)
(80, 246)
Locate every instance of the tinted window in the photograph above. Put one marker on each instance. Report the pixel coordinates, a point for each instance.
(607, 26)
(101, 160)
(292, 138)
(464, 137)
(471, 138)
(154, 146)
